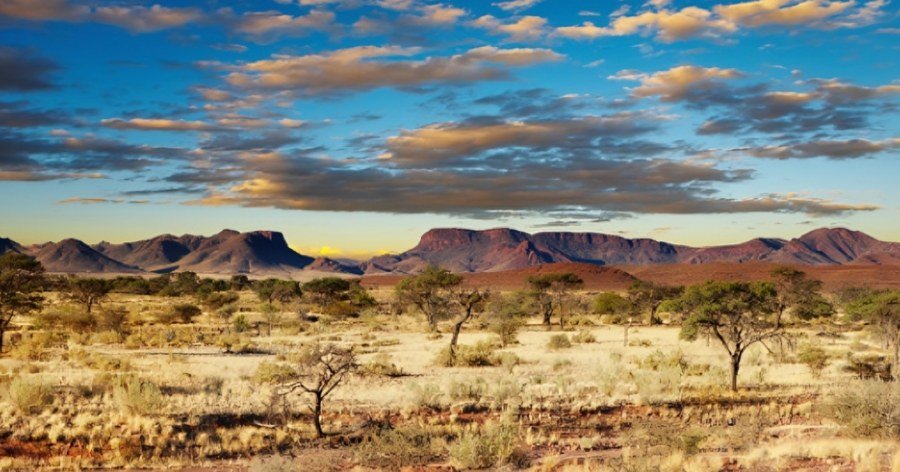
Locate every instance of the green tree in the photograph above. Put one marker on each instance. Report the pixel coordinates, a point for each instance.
(429, 292)
(240, 282)
(88, 292)
(799, 294)
(611, 303)
(646, 298)
(882, 309)
(21, 278)
(327, 290)
(737, 314)
(551, 293)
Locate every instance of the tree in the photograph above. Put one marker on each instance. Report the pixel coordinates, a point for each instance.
(506, 314)
(611, 303)
(799, 294)
(88, 292)
(738, 314)
(429, 292)
(470, 301)
(327, 290)
(20, 278)
(275, 290)
(646, 297)
(551, 292)
(239, 282)
(184, 283)
(882, 309)
(317, 371)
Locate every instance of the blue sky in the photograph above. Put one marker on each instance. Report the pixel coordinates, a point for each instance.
(353, 126)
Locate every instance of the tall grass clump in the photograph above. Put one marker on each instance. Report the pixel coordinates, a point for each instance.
(138, 396)
(28, 395)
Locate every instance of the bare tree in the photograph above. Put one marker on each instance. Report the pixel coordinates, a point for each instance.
(318, 370)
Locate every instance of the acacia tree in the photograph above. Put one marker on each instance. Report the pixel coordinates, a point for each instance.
(798, 293)
(551, 293)
(317, 371)
(882, 309)
(470, 301)
(738, 314)
(88, 292)
(20, 278)
(646, 298)
(327, 290)
(429, 292)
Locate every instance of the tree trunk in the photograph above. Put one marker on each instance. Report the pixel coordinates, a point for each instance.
(317, 416)
(2, 334)
(625, 341)
(735, 367)
(454, 339)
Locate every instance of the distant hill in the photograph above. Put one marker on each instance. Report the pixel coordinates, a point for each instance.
(74, 256)
(463, 250)
(266, 253)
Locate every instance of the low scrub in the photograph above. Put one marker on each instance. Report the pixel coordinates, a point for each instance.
(481, 354)
(28, 395)
(559, 341)
(491, 445)
(867, 409)
(137, 396)
(396, 448)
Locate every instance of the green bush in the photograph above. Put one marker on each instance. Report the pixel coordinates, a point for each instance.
(813, 357)
(559, 341)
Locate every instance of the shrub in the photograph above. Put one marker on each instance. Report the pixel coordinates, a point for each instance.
(66, 317)
(35, 346)
(493, 445)
(241, 324)
(481, 354)
(273, 373)
(507, 329)
(28, 395)
(138, 396)
(112, 319)
(185, 312)
(559, 341)
(427, 396)
(393, 449)
(382, 366)
(867, 409)
(462, 390)
(583, 337)
(814, 357)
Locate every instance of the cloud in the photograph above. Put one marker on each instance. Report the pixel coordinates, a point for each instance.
(816, 105)
(44, 10)
(670, 25)
(140, 19)
(850, 149)
(678, 82)
(526, 28)
(18, 115)
(516, 5)
(273, 24)
(156, 124)
(432, 144)
(23, 71)
(366, 67)
(780, 12)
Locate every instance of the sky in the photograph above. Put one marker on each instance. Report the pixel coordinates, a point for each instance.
(354, 126)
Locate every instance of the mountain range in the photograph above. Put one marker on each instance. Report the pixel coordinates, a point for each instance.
(459, 250)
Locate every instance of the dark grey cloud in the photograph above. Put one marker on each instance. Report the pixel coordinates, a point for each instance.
(22, 71)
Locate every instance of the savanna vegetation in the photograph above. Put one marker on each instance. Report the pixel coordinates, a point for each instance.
(185, 371)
